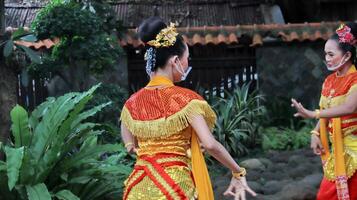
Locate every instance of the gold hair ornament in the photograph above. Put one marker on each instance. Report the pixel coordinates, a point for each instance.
(166, 37)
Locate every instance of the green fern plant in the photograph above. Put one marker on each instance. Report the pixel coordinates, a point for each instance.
(55, 153)
(275, 138)
(237, 126)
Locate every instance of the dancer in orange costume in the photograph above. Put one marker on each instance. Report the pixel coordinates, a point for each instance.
(163, 124)
(338, 118)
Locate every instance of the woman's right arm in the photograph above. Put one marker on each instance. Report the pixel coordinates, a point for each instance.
(128, 139)
(216, 149)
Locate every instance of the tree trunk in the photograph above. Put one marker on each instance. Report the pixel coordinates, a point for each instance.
(8, 82)
(8, 95)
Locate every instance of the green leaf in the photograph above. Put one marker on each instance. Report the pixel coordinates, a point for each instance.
(18, 33)
(29, 38)
(89, 142)
(66, 195)
(38, 192)
(40, 110)
(2, 166)
(9, 47)
(14, 161)
(81, 180)
(88, 153)
(47, 128)
(75, 106)
(88, 113)
(31, 54)
(20, 127)
(53, 130)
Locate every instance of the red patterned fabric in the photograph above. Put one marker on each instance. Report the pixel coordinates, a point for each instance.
(341, 84)
(328, 189)
(151, 104)
(159, 168)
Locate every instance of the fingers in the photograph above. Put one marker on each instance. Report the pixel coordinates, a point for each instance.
(296, 104)
(299, 107)
(242, 196)
(297, 115)
(321, 149)
(316, 151)
(132, 150)
(237, 196)
(229, 191)
(248, 189)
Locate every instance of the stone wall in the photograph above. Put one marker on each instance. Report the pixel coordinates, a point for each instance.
(292, 70)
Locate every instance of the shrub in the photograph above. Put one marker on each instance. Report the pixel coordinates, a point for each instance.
(275, 138)
(55, 153)
(238, 117)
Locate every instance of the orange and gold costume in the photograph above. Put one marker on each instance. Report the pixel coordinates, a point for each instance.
(170, 164)
(340, 164)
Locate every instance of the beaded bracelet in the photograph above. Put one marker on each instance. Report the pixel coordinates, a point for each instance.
(317, 114)
(239, 175)
(315, 132)
(128, 144)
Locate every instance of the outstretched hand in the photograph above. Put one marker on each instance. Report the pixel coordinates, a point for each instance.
(238, 188)
(301, 111)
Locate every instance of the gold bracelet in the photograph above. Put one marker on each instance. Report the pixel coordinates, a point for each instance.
(239, 175)
(128, 144)
(317, 114)
(315, 132)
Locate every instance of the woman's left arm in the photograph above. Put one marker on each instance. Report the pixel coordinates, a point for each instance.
(347, 108)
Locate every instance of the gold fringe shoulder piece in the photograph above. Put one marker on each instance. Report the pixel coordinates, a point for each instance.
(165, 127)
(353, 89)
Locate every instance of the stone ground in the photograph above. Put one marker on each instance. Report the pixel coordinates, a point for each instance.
(289, 175)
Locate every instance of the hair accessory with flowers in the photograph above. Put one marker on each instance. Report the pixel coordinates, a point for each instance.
(345, 35)
(166, 37)
(150, 57)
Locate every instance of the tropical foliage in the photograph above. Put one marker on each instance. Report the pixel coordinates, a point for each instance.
(87, 34)
(55, 153)
(12, 50)
(237, 126)
(109, 115)
(287, 138)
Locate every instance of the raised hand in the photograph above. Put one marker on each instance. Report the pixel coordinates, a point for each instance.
(238, 188)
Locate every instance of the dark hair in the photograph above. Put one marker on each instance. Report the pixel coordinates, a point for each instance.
(148, 30)
(345, 47)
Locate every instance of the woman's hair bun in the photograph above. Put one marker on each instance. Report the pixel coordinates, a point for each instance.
(149, 28)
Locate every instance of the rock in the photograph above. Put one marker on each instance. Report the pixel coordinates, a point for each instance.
(255, 186)
(279, 168)
(266, 162)
(268, 176)
(253, 164)
(309, 153)
(298, 172)
(218, 193)
(312, 180)
(296, 160)
(253, 175)
(271, 187)
(287, 175)
(221, 181)
(296, 191)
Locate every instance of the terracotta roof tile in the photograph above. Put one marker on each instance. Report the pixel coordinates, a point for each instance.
(257, 40)
(293, 36)
(232, 38)
(306, 36)
(230, 34)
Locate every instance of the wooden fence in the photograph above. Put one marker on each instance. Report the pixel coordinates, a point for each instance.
(216, 68)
